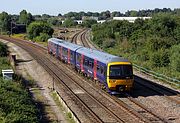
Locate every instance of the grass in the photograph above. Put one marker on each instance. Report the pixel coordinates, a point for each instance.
(42, 43)
(16, 101)
(20, 36)
(45, 109)
(24, 37)
(68, 115)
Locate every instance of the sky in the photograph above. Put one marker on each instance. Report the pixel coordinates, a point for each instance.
(54, 7)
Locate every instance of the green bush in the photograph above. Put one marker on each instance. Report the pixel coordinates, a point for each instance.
(148, 43)
(108, 43)
(3, 49)
(175, 57)
(160, 58)
(36, 28)
(16, 105)
(43, 37)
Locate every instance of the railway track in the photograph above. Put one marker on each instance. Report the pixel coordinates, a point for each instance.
(140, 107)
(95, 110)
(159, 89)
(81, 35)
(130, 104)
(75, 37)
(166, 92)
(84, 39)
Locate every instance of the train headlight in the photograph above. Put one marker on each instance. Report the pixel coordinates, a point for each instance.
(112, 81)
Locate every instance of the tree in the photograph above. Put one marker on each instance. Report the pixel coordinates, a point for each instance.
(3, 50)
(116, 14)
(42, 37)
(30, 18)
(54, 21)
(106, 14)
(89, 22)
(45, 16)
(160, 58)
(5, 21)
(69, 23)
(59, 15)
(36, 28)
(25, 18)
(175, 57)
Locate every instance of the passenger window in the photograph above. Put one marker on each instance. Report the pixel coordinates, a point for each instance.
(102, 70)
(65, 52)
(98, 69)
(90, 64)
(71, 55)
(79, 58)
(85, 61)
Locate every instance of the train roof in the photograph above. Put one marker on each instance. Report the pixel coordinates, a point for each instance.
(55, 40)
(91, 53)
(100, 56)
(65, 44)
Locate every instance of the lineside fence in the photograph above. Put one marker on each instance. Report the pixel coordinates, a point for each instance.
(162, 77)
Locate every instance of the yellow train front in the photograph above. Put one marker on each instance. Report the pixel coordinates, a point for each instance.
(114, 72)
(119, 76)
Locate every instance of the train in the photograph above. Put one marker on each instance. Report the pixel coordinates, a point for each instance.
(113, 72)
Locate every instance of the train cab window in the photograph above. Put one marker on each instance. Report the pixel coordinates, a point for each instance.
(120, 71)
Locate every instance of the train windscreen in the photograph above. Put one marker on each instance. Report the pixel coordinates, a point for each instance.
(121, 72)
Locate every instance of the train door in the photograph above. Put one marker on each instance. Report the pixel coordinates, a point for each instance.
(54, 49)
(57, 51)
(81, 64)
(61, 53)
(69, 56)
(95, 69)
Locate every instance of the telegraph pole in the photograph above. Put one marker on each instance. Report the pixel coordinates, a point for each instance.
(11, 27)
(53, 83)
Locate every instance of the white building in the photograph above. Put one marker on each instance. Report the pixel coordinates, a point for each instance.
(130, 19)
(7, 74)
(101, 21)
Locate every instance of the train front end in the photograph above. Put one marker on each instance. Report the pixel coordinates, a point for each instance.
(120, 76)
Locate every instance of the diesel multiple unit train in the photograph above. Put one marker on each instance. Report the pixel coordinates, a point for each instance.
(114, 72)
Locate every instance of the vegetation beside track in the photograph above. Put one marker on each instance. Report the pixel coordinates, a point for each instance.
(16, 105)
(68, 116)
(153, 44)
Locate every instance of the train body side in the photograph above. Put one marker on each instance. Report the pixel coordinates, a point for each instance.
(114, 72)
(101, 66)
(91, 67)
(63, 50)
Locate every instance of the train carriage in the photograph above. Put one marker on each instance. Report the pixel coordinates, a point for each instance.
(52, 46)
(65, 51)
(112, 71)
